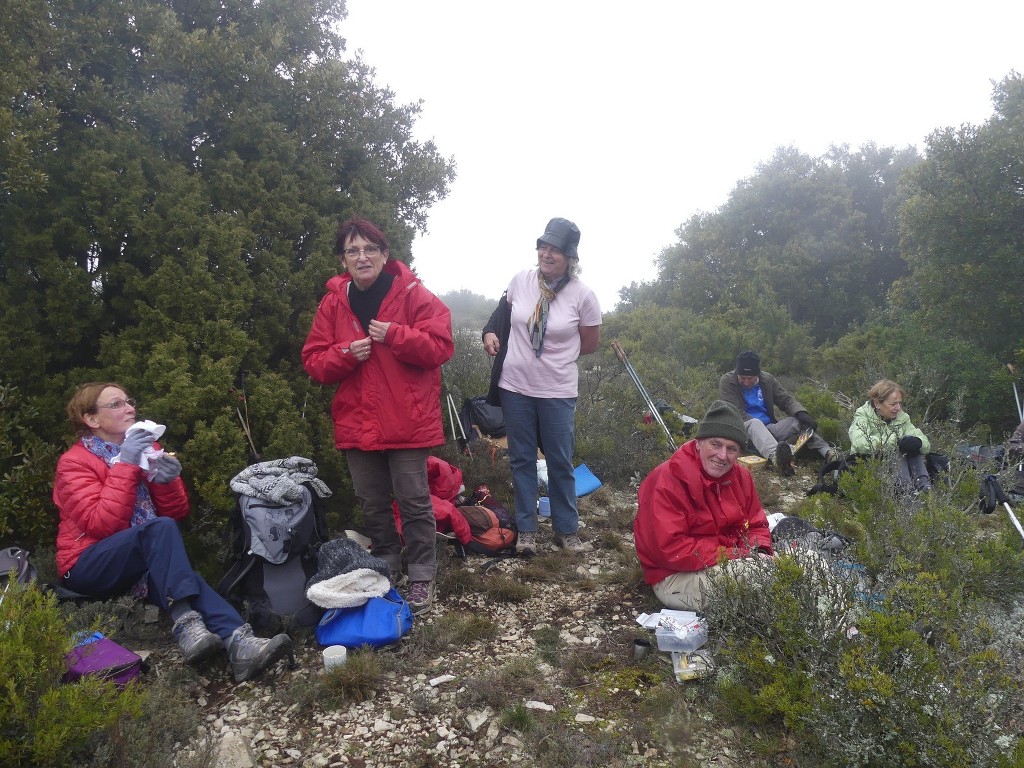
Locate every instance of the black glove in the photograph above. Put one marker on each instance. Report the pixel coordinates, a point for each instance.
(806, 420)
(137, 441)
(167, 468)
(909, 445)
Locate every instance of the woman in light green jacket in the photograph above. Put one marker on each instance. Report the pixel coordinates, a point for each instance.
(882, 426)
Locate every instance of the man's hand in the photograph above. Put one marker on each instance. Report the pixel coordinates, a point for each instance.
(806, 420)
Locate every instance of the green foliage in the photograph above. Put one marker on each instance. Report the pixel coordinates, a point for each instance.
(454, 630)
(923, 662)
(360, 678)
(468, 372)
(958, 229)
(173, 175)
(27, 464)
(813, 235)
(44, 722)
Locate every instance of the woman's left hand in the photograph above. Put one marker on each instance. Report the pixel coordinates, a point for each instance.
(379, 330)
(167, 468)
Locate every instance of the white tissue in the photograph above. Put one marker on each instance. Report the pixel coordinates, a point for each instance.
(150, 452)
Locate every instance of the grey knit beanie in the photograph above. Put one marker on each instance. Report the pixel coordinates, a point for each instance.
(339, 556)
(723, 420)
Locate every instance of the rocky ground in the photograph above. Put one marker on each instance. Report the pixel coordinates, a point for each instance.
(550, 679)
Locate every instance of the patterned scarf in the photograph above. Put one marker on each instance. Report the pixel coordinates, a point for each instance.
(538, 322)
(144, 508)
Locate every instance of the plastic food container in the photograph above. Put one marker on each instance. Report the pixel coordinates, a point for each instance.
(685, 640)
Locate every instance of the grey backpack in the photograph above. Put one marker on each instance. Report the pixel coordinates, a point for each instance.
(275, 549)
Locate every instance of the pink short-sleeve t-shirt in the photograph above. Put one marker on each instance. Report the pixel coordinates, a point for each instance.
(554, 373)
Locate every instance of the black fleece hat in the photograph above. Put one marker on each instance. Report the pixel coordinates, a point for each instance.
(563, 235)
(723, 420)
(748, 364)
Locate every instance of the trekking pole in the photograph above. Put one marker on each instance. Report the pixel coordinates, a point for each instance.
(1020, 411)
(997, 491)
(635, 377)
(455, 420)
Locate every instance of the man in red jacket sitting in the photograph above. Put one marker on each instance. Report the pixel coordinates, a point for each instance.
(696, 507)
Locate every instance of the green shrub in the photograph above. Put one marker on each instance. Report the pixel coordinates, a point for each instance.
(27, 464)
(44, 722)
(922, 671)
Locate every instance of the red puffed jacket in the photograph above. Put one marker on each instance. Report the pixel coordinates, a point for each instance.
(686, 517)
(96, 501)
(393, 400)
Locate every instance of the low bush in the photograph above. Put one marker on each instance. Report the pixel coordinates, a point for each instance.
(920, 673)
(44, 722)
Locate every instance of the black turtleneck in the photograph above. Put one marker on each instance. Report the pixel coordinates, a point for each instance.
(366, 304)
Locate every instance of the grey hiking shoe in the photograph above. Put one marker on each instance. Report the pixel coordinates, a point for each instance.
(783, 460)
(526, 543)
(570, 542)
(421, 596)
(194, 639)
(249, 655)
(832, 454)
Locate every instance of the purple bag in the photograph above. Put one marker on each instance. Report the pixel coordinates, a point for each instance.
(103, 658)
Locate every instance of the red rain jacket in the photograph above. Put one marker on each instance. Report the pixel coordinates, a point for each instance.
(393, 400)
(686, 518)
(96, 501)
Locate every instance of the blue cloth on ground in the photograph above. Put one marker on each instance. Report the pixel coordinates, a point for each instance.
(586, 481)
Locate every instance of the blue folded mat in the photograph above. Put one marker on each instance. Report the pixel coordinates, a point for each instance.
(586, 481)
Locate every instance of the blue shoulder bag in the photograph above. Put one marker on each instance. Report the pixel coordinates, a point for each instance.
(378, 622)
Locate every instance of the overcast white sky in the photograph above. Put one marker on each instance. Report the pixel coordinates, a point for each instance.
(628, 118)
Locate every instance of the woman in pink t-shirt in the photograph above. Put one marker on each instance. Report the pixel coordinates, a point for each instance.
(545, 321)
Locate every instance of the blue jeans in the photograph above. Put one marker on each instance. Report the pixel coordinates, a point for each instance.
(553, 421)
(112, 566)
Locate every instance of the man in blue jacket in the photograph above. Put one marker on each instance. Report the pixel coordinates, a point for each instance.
(756, 394)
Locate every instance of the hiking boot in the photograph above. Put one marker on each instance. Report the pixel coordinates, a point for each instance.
(421, 596)
(194, 639)
(783, 460)
(832, 454)
(526, 543)
(570, 542)
(249, 655)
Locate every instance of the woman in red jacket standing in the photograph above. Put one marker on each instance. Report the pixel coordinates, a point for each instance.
(118, 531)
(381, 337)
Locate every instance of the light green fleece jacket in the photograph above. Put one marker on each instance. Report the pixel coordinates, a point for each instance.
(869, 433)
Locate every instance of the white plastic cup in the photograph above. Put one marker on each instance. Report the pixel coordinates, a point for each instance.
(544, 507)
(334, 656)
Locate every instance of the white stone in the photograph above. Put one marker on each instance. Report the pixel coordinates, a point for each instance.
(442, 679)
(582, 718)
(539, 705)
(477, 718)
